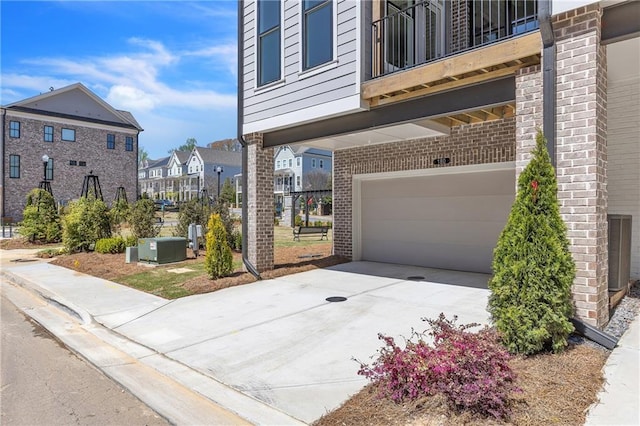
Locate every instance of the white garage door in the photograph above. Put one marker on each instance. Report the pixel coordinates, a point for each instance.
(448, 221)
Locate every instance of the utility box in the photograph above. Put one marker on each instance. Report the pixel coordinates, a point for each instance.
(162, 250)
(131, 255)
(619, 251)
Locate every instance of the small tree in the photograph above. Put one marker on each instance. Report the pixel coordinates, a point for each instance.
(40, 219)
(530, 300)
(228, 192)
(193, 211)
(218, 260)
(119, 213)
(86, 223)
(142, 219)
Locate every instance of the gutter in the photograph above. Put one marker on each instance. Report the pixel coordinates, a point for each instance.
(548, 78)
(245, 159)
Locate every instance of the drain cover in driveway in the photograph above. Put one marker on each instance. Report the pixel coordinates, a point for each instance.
(415, 278)
(335, 299)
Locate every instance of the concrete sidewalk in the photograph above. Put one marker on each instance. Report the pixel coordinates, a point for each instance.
(276, 352)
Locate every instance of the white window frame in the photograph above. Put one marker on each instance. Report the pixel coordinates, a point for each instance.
(278, 83)
(302, 73)
(313, 163)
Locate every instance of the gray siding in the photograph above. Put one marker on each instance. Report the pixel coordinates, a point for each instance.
(298, 94)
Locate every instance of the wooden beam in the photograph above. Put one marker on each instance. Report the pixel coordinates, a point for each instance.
(445, 121)
(490, 114)
(450, 85)
(498, 53)
(457, 120)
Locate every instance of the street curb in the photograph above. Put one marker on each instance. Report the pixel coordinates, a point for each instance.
(51, 298)
(201, 385)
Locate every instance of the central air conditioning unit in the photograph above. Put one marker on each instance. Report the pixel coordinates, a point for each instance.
(619, 251)
(162, 250)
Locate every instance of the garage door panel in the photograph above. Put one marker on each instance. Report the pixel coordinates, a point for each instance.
(464, 184)
(470, 257)
(450, 208)
(435, 232)
(450, 221)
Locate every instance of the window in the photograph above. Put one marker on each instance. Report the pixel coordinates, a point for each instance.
(313, 163)
(14, 129)
(298, 180)
(82, 163)
(298, 161)
(269, 58)
(14, 166)
(111, 141)
(73, 163)
(49, 170)
(290, 162)
(128, 143)
(278, 164)
(48, 133)
(68, 135)
(322, 164)
(317, 26)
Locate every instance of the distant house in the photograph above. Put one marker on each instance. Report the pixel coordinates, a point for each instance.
(297, 168)
(184, 175)
(80, 133)
(208, 168)
(152, 178)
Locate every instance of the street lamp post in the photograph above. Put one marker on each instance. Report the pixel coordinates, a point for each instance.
(45, 185)
(219, 170)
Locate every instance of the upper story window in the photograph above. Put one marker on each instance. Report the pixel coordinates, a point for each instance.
(49, 169)
(82, 163)
(111, 141)
(269, 34)
(313, 163)
(14, 166)
(298, 161)
(74, 163)
(48, 133)
(322, 164)
(68, 135)
(278, 164)
(317, 36)
(14, 129)
(128, 143)
(290, 162)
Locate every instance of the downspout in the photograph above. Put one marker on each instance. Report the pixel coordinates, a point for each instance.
(245, 159)
(548, 78)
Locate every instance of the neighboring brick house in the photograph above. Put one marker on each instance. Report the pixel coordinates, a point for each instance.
(80, 133)
(431, 110)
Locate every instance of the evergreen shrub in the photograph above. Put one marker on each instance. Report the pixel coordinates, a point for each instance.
(530, 300)
(218, 258)
(40, 219)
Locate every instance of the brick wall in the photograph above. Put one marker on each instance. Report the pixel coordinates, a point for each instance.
(582, 155)
(114, 167)
(528, 113)
(259, 198)
(489, 142)
(460, 27)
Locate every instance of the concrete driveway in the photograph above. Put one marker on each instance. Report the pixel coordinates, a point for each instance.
(281, 342)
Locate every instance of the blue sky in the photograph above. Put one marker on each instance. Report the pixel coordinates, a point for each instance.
(170, 63)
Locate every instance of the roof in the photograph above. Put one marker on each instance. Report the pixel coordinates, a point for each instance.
(216, 156)
(161, 162)
(75, 101)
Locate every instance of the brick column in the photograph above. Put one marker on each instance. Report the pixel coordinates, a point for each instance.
(342, 204)
(528, 113)
(259, 198)
(460, 33)
(582, 154)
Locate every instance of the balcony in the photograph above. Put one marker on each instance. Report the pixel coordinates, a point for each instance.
(480, 40)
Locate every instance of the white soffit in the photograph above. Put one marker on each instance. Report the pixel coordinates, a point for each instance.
(406, 131)
(623, 60)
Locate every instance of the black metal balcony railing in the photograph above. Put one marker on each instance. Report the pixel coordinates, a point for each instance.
(432, 29)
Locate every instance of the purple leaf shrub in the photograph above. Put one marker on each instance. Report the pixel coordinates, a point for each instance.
(470, 369)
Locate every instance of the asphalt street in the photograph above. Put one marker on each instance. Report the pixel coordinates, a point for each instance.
(43, 383)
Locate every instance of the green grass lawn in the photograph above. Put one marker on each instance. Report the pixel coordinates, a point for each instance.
(157, 280)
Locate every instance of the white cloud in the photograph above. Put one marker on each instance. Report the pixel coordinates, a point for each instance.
(130, 98)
